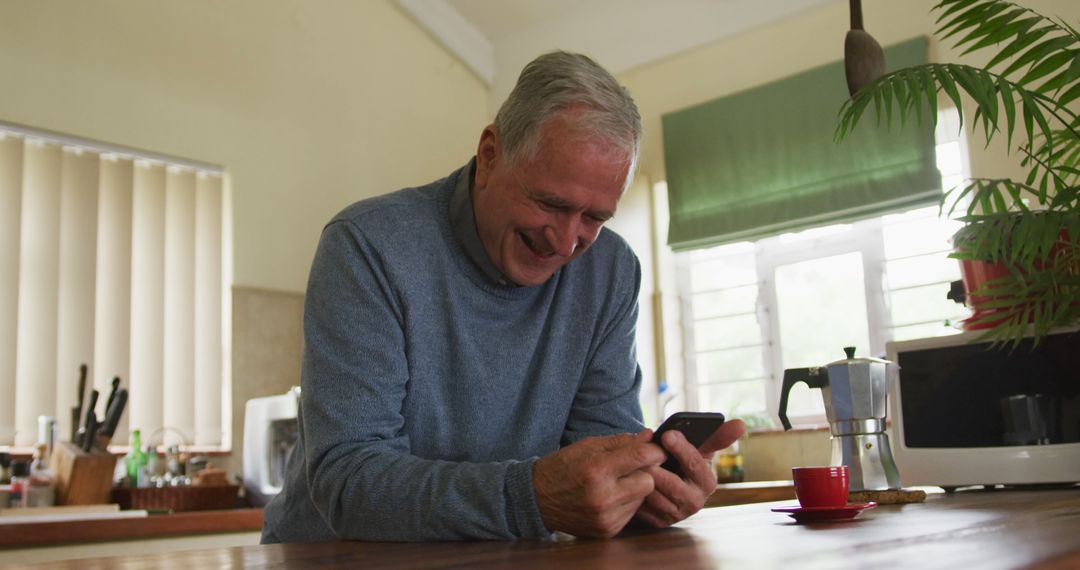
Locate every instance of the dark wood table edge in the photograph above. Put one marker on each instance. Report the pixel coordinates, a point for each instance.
(1067, 561)
(22, 535)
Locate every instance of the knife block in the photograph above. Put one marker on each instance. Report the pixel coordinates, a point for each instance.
(82, 477)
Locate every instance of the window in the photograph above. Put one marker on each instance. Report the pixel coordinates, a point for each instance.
(109, 258)
(751, 310)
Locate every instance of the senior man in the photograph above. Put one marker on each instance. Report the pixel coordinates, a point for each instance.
(469, 368)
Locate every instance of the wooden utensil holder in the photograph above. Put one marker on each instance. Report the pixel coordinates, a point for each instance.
(179, 499)
(82, 477)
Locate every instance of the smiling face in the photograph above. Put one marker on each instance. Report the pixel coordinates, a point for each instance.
(537, 215)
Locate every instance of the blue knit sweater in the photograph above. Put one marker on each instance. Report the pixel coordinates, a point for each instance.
(428, 391)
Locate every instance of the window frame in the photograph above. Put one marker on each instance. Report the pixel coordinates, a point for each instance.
(866, 237)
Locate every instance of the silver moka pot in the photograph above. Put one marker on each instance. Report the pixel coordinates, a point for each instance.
(854, 390)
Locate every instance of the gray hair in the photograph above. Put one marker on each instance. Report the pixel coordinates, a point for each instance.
(558, 81)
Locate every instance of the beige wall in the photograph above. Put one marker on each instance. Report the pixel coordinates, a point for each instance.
(309, 106)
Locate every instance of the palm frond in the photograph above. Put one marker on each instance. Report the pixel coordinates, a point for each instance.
(915, 89)
(1027, 93)
(1047, 49)
(1040, 300)
(1053, 165)
(988, 196)
(1024, 242)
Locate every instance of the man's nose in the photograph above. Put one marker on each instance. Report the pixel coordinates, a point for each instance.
(563, 236)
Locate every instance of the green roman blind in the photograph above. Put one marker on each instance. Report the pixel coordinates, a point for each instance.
(763, 161)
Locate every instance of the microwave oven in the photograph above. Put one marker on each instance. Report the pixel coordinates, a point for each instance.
(966, 413)
(270, 433)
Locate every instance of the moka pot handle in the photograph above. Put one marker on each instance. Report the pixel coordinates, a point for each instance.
(813, 377)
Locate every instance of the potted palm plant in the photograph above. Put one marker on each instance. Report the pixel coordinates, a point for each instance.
(1019, 245)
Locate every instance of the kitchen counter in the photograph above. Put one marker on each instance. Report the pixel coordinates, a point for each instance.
(21, 535)
(978, 529)
(28, 534)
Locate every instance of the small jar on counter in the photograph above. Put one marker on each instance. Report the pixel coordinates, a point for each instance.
(41, 489)
(5, 469)
(20, 481)
(729, 464)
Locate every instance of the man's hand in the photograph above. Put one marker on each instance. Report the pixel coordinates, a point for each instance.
(594, 487)
(674, 498)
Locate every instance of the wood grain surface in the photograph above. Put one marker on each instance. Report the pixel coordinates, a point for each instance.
(973, 529)
(21, 535)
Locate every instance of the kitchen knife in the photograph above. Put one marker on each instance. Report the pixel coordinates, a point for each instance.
(112, 416)
(76, 413)
(91, 431)
(81, 435)
(112, 393)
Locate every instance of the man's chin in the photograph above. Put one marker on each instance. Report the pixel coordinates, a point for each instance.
(531, 278)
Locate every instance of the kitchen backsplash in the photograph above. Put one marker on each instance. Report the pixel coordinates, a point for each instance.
(770, 455)
(267, 336)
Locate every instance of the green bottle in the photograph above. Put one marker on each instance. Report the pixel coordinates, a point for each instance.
(135, 458)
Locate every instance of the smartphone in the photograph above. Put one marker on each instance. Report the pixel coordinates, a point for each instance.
(696, 426)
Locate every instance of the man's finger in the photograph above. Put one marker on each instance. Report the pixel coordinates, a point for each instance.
(696, 466)
(635, 486)
(650, 518)
(723, 437)
(612, 442)
(661, 508)
(633, 457)
(665, 482)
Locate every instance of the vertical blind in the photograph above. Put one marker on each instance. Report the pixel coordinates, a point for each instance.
(112, 261)
(763, 161)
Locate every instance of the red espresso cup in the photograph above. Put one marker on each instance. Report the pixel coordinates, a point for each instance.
(818, 487)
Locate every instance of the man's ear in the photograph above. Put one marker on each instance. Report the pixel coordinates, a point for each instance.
(488, 152)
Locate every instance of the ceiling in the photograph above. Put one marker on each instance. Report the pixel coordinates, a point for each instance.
(496, 38)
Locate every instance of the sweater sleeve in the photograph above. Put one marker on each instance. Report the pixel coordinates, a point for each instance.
(362, 479)
(607, 401)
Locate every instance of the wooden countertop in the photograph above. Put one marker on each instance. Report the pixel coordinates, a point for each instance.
(239, 520)
(974, 529)
(20, 535)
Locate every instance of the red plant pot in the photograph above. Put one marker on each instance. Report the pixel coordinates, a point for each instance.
(975, 274)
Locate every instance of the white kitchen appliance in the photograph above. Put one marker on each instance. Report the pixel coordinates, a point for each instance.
(270, 433)
(965, 414)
